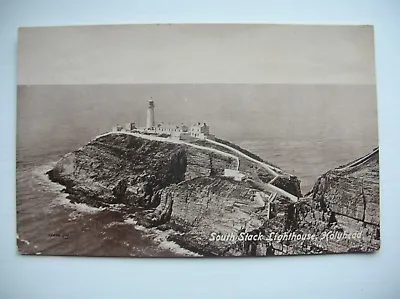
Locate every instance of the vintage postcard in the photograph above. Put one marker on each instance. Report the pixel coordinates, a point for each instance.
(197, 140)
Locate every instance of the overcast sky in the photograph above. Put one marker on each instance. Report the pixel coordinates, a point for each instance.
(292, 54)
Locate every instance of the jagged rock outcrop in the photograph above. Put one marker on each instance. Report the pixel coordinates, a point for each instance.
(126, 169)
(289, 183)
(205, 205)
(181, 187)
(120, 169)
(351, 190)
(341, 211)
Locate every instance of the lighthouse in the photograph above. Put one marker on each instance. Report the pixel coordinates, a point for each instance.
(150, 115)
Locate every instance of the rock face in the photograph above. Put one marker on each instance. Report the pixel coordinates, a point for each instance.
(181, 188)
(352, 190)
(117, 169)
(342, 211)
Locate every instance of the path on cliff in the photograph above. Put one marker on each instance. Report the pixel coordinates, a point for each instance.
(359, 161)
(267, 167)
(268, 187)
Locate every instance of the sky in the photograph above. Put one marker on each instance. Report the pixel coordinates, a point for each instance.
(189, 53)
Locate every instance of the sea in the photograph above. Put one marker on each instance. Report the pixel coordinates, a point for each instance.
(304, 129)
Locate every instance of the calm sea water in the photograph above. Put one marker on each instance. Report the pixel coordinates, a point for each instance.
(304, 129)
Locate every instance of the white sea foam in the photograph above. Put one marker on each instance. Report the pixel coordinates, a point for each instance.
(172, 246)
(40, 175)
(111, 224)
(163, 243)
(160, 238)
(23, 241)
(142, 228)
(74, 215)
(115, 207)
(130, 220)
(61, 199)
(84, 208)
(80, 209)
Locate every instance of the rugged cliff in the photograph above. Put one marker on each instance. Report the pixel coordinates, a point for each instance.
(181, 188)
(342, 211)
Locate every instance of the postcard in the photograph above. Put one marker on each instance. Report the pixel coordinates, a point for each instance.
(197, 140)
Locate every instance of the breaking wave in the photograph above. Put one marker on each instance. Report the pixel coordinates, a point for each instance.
(160, 238)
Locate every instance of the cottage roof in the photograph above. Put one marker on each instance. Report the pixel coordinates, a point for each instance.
(199, 124)
(171, 126)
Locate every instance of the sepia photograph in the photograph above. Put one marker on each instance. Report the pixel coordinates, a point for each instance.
(197, 140)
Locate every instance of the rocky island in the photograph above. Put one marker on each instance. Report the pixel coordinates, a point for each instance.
(218, 199)
(184, 187)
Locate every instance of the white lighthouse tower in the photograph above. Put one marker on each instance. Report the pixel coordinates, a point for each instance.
(150, 115)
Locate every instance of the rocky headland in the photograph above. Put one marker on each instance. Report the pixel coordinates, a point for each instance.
(181, 187)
